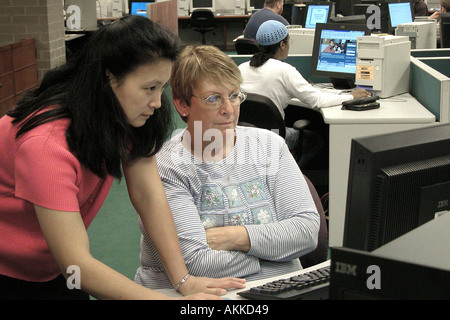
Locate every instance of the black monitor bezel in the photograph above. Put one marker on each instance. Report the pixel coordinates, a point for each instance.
(390, 26)
(131, 1)
(316, 3)
(316, 47)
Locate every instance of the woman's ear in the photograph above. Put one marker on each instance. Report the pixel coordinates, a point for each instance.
(181, 107)
(112, 79)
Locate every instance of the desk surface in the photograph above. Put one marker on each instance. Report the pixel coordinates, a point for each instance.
(232, 294)
(402, 108)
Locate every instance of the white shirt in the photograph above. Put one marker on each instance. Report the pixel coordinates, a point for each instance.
(282, 82)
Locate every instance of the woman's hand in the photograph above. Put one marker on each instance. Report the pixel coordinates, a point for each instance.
(217, 287)
(360, 93)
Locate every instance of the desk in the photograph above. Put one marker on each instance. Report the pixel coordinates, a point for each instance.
(398, 113)
(232, 294)
(225, 18)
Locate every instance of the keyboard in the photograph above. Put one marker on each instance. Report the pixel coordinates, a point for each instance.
(312, 285)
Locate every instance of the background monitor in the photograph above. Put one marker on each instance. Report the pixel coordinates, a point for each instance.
(338, 63)
(259, 4)
(397, 182)
(355, 19)
(139, 7)
(400, 12)
(317, 12)
(202, 4)
(345, 7)
(445, 29)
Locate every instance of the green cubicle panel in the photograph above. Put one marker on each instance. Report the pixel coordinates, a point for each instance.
(300, 61)
(421, 53)
(441, 64)
(431, 86)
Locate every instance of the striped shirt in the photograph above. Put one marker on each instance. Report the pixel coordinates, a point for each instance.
(258, 185)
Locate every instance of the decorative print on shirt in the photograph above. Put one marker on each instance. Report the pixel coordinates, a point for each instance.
(234, 197)
(253, 191)
(239, 218)
(212, 198)
(212, 220)
(261, 215)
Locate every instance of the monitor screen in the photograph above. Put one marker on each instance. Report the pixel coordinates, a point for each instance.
(202, 3)
(139, 8)
(334, 51)
(317, 13)
(397, 182)
(400, 13)
(345, 7)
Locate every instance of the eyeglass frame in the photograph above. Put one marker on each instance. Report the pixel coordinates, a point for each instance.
(222, 99)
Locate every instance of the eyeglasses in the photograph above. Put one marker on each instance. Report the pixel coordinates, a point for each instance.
(215, 101)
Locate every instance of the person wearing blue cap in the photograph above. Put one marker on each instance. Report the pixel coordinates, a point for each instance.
(285, 81)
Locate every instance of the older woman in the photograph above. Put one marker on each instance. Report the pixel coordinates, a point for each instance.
(240, 203)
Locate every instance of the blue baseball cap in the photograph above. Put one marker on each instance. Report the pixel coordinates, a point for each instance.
(271, 32)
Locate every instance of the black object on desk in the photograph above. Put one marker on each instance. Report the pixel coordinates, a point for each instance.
(361, 104)
(313, 285)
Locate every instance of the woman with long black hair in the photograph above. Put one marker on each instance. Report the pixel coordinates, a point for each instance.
(98, 117)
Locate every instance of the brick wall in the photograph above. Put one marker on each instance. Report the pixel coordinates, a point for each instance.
(42, 20)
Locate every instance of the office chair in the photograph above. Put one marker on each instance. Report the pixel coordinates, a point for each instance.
(320, 254)
(202, 20)
(246, 46)
(259, 111)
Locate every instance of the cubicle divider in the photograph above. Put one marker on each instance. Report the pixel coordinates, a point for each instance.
(429, 78)
(419, 53)
(302, 62)
(440, 64)
(431, 87)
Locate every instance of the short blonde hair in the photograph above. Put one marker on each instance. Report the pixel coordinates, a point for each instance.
(197, 63)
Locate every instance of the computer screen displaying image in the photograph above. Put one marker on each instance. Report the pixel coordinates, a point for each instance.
(400, 13)
(334, 51)
(139, 8)
(317, 13)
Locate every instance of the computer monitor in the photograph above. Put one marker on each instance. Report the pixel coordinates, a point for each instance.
(202, 4)
(400, 12)
(338, 64)
(345, 7)
(259, 4)
(317, 12)
(355, 19)
(139, 7)
(445, 29)
(397, 182)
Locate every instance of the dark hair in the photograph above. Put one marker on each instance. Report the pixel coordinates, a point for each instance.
(265, 53)
(98, 134)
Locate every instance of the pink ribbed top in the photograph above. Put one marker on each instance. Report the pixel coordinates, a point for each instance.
(38, 168)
